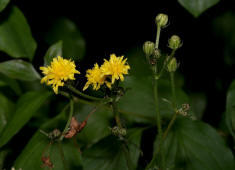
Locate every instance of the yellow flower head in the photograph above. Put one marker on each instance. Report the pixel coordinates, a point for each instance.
(60, 70)
(115, 67)
(96, 78)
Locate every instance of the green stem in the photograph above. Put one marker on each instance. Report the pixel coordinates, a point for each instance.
(69, 120)
(158, 118)
(82, 94)
(167, 60)
(157, 36)
(116, 114)
(169, 125)
(172, 77)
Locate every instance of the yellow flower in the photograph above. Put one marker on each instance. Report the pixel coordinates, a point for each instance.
(96, 78)
(115, 67)
(60, 70)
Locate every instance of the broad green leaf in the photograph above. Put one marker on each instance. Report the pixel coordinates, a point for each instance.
(26, 106)
(38, 144)
(12, 83)
(16, 38)
(54, 51)
(73, 42)
(197, 7)
(140, 86)
(194, 145)
(19, 69)
(6, 109)
(3, 4)
(112, 153)
(97, 125)
(230, 109)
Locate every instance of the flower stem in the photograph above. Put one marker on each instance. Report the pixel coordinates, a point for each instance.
(172, 77)
(157, 36)
(116, 114)
(167, 60)
(69, 120)
(82, 94)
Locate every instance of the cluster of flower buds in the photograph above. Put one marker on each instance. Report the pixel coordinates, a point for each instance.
(184, 110)
(117, 131)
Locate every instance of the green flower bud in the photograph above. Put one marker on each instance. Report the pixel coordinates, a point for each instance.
(161, 20)
(122, 132)
(148, 48)
(174, 42)
(172, 65)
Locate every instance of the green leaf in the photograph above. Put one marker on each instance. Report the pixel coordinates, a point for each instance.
(16, 38)
(12, 83)
(26, 106)
(6, 109)
(100, 121)
(38, 144)
(197, 7)
(112, 153)
(230, 109)
(196, 145)
(3, 4)
(19, 69)
(73, 42)
(54, 51)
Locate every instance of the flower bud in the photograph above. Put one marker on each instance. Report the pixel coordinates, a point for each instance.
(174, 42)
(172, 65)
(161, 20)
(122, 132)
(148, 48)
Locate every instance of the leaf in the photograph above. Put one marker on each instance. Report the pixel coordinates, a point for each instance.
(3, 4)
(16, 38)
(73, 42)
(54, 51)
(6, 109)
(230, 109)
(19, 69)
(26, 106)
(38, 144)
(12, 83)
(100, 120)
(196, 145)
(111, 153)
(197, 7)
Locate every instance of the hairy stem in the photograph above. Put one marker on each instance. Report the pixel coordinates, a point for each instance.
(69, 120)
(116, 114)
(82, 94)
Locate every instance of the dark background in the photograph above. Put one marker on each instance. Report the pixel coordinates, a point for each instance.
(116, 27)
